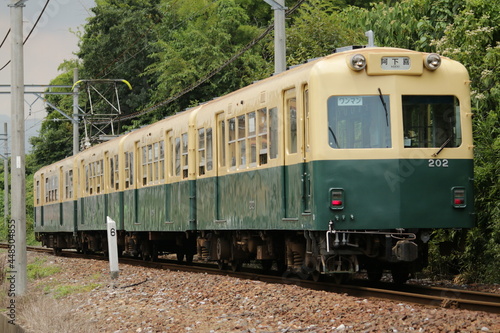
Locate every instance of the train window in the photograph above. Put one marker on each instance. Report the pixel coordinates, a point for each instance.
(150, 164)
(184, 155)
(161, 161)
(144, 165)
(431, 121)
(201, 151)
(112, 172)
(127, 171)
(359, 122)
(222, 142)
(232, 142)
(87, 179)
(291, 109)
(37, 192)
(252, 143)
(117, 170)
(262, 135)
(273, 133)
(68, 184)
(156, 162)
(209, 149)
(131, 161)
(242, 140)
(177, 154)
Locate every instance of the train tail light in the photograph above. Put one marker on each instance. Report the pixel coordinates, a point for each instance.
(337, 199)
(458, 197)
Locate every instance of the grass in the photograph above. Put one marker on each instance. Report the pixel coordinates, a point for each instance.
(64, 290)
(39, 269)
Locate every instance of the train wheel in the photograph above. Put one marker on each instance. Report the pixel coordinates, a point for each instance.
(400, 275)
(266, 265)
(375, 274)
(221, 264)
(339, 278)
(235, 265)
(56, 251)
(316, 276)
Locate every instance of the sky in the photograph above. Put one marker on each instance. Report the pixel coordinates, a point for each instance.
(49, 45)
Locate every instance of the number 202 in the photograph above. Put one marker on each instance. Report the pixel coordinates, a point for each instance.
(438, 163)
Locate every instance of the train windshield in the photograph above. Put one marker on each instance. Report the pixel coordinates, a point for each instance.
(431, 121)
(359, 122)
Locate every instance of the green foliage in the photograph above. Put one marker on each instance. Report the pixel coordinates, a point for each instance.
(207, 34)
(473, 38)
(316, 30)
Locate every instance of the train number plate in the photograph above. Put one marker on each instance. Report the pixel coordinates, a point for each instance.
(395, 63)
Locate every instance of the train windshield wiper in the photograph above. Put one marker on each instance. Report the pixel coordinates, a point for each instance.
(334, 137)
(385, 106)
(442, 147)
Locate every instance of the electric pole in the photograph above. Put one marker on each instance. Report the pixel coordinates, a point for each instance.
(76, 133)
(279, 35)
(18, 189)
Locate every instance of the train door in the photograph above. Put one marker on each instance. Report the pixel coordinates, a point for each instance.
(293, 182)
(221, 158)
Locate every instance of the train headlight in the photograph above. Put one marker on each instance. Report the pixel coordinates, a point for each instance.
(357, 62)
(432, 61)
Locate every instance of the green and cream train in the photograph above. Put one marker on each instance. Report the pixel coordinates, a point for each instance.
(348, 162)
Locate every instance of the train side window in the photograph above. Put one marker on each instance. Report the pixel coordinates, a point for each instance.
(185, 165)
(46, 190)
(273, 133)
(117, 174)
(209, 149)
(99, 175)
(232, 142)
(177, 154)
(69, 184)
(162, 160)
(262, 135)
(222, 141)
(252, 142)
(144, 166)
(150, 164)
(242, 141)
(291, 104)
(131, 161)
(156, 162)
(37, 187)
(87, 179)
(201, 151)
(111, 172)
(127, 171)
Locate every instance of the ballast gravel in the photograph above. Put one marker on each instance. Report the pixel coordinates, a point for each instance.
(152, 300)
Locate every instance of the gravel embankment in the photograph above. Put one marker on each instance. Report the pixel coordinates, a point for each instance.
(150, 300)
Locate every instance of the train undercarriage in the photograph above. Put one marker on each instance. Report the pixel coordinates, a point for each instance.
(305, 254)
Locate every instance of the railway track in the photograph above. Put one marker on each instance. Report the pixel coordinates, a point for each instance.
(429, 296)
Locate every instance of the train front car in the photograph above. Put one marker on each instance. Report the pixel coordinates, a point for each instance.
(391, 159)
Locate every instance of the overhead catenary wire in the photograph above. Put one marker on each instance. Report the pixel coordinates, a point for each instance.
(29, 34)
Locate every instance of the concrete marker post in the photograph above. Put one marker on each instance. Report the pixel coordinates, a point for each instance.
(112, 248)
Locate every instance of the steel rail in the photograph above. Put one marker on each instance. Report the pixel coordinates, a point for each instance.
(428, 296)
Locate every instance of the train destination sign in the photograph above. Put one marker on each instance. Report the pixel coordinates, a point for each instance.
(395, 63)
